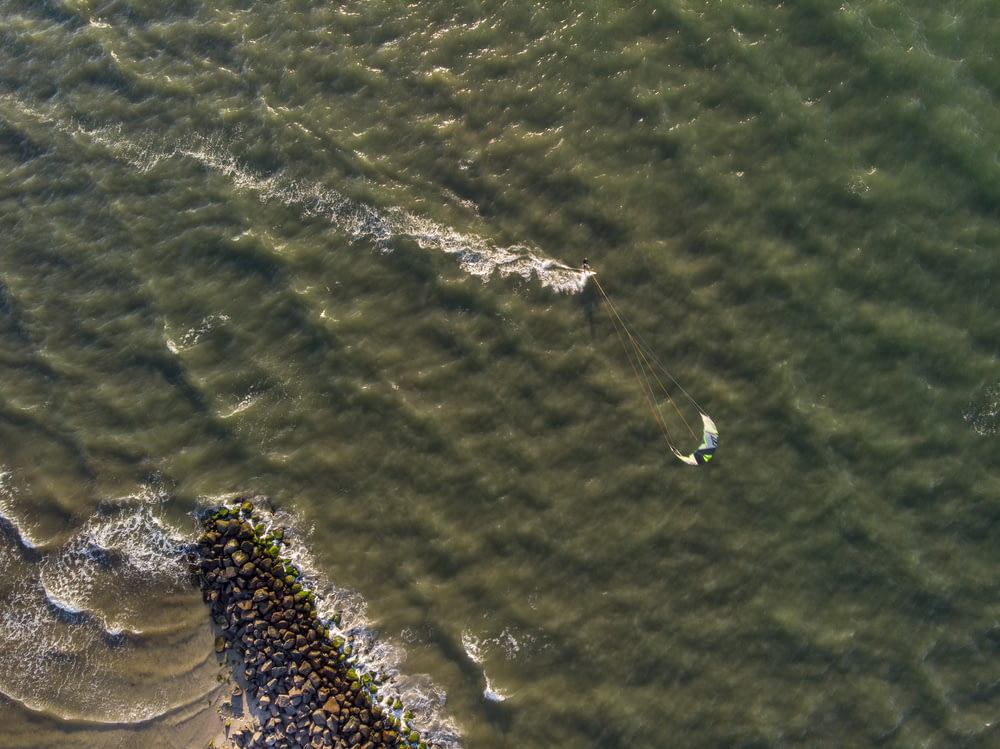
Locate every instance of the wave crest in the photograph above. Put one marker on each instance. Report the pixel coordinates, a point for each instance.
(75, 620)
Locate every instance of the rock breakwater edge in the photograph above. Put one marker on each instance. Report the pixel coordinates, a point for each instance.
(302, 687)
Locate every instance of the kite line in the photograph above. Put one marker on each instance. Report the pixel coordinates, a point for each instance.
(657, 384)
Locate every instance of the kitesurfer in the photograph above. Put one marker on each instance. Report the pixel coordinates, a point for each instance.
(586, 264)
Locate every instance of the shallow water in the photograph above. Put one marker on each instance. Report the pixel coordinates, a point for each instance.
(324, 253)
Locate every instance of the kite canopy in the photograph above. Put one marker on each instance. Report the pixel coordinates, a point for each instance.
(709, 441)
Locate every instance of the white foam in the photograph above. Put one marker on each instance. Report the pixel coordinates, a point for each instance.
(477, 650)
(491, 693)
(8, 512)
(983, 415)
(192, 336)
(117, 555)
(473, 647)
(62, 617)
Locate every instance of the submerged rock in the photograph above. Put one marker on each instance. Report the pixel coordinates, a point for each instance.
(302, 684)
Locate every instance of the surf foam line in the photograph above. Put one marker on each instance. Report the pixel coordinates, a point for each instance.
(359, 221)
(345, 614)
(72, 614)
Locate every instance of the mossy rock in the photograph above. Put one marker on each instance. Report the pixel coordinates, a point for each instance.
(264, 544)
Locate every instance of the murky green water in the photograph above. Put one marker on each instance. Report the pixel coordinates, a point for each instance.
(317, 252)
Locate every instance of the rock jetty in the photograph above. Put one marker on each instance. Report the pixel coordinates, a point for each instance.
(302, 686)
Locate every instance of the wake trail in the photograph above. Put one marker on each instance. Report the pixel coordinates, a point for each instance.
(381, 227)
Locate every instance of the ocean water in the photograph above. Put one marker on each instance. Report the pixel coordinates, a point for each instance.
(329, 253)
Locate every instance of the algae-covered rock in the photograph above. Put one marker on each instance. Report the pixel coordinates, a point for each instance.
(303, 682)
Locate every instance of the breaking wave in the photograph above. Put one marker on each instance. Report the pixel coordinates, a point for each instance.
(75, 619)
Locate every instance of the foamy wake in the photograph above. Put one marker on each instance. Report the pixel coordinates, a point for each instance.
(360, 221)
(983, 413)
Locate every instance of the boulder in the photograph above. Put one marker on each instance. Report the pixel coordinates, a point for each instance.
(306, 692)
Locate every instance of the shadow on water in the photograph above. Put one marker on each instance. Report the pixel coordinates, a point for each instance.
(13, 536)
(19, 145)
(12, 321)
(590, 300)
